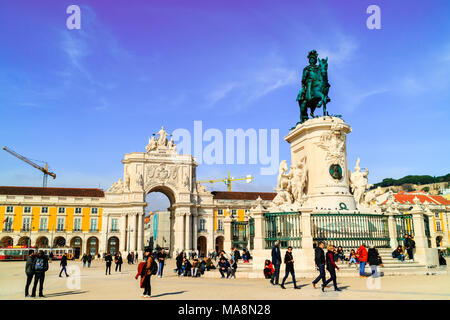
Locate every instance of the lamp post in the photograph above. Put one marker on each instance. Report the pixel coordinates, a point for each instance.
(29, 239)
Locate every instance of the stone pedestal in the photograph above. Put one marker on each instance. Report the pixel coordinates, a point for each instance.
(227, 233)
(322, 142)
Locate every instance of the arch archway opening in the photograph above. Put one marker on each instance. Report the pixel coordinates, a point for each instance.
(77, 244)
(59, 242)
(42, 242)
(159, 219)
(201, 246)
(219, 243)
(92, 246)
(24, 241)
(113, 245)
(6, 242)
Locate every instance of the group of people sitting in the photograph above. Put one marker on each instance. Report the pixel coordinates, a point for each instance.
(196, 268)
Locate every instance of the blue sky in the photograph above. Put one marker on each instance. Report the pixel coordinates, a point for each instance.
(80, 99)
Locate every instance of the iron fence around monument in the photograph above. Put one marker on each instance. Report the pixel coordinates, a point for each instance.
(350, 230)
(284, 227)
(404, 225)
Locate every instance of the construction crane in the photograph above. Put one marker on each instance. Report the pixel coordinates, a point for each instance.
(44, 170)
(227, 181)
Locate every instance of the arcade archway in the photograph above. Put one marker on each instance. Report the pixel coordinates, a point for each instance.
(113, 245)
(77, 244)
(42, 242)
(92, 246)
(24, 241)
(219, 243)
(201, 246)
(59, 242)
(6, 242)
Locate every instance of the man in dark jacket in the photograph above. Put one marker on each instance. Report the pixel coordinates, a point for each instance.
(276, 262)
(108, 260)
(161, 257)
(409, 245)
(224, 266)
(39, 267)
(320, 263)
(89, 259)
(289, 261)
(63, 264)
(29, 270)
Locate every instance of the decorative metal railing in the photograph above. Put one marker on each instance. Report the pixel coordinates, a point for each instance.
(350, 230)
(404, 225)
(239, 234)
(251, 225)
(284, 227)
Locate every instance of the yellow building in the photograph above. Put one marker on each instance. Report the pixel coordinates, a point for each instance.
(52, 217)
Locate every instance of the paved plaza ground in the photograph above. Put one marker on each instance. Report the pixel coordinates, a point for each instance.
(94, 284)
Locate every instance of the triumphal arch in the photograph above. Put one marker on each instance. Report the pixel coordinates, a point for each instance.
(159, 169)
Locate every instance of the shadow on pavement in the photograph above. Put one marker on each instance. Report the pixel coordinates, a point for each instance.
(168, 294)
(65, 293)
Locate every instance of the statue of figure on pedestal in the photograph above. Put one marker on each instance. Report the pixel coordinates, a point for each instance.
(358, 183)
(162, 140)
(314, 91)
(298, 178)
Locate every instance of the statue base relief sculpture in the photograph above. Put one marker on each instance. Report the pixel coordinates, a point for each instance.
(321, 142)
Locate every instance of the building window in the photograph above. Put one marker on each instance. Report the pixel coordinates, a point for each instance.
(8, 224)
(44, 210)
(61, 210)
(27, 210)
(219, 225)
(436, 214)
(60, 224)
(9, 209)
(220, 211)
(94, 210)
(43, 224)
(233, 212)
(78, 210)
(26, 224)
(438, 226)
(114, 223)
(202, 224)
(77, 224)
(93, 224)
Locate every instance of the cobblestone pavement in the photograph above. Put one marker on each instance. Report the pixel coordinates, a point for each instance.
(94, 284)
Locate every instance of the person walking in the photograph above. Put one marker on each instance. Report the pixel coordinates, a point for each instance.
(146, 274)
(374, 260)
(132, 258)
(162, 255)
(136, 257)
(410, 244)
(179, 263)
(289, 261)
(39, 267)
(361, 255)
(84, 259)
(89, 259)
(108, 260)
(63, 265)
(29, 271)
(319, 258)
(276, 262)
(331, 267)
(118, 260)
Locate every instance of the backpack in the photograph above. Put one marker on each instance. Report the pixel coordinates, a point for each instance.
(154, 268)
(39, 265)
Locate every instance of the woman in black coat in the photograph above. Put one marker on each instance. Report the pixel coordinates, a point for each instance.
(331, 267)
(374, 259)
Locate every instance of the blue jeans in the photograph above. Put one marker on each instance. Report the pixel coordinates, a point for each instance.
(332, 278)
(401, 257)
(374, 271)
(362, 266)
(352, 260)
(321, 275)
(160, 268)
(291, 271)
(65, 271)
(276, 273)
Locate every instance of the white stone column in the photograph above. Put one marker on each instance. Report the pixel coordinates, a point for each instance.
(140, 233)
(392, 230)
(188, 234)
(134, 231)
(195, 218)
(123, 233)
(211, 243)
(105, 226)
(259, 242)
(227, 233)
(179, 231)
(307, 239)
